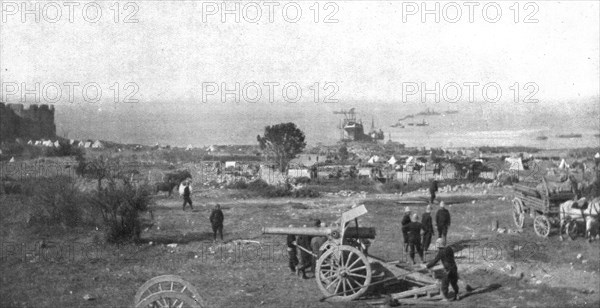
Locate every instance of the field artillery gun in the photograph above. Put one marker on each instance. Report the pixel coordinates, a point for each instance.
(345, 270)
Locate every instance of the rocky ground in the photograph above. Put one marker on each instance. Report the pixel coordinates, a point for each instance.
(509, 269)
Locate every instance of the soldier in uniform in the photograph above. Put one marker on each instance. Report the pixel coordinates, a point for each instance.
(428, 225)
(291, 249)
(446, 255)
(413, 230)
(405, 221)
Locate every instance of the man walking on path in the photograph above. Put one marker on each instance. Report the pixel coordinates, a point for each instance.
(413, 229)
(186, 196)
(442, 220)
(433, 189)
(216, 221)
(446, 255)
(291, 249)
(404, 222)
(428, 226)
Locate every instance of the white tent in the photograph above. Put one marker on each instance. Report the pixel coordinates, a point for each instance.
(97, 145)
(12, 160)
(81, 144)
(515, 163)
(212, 148)
(189, 147)
(374, 159)
(48, 143)
(38, 142)
(56, 144)
(392, 161)
(229, 164)
(563, 164)
(597, 155)
(409, 161)
(87, 144)
(71, 141)
(30, 142)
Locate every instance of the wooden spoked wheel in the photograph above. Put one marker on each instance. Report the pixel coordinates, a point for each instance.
(168, 299)
(541, 225)
(518, 215)
(343, 273)
(571, 229)
(168, 291)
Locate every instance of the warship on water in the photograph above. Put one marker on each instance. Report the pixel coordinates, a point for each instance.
(428, 113)
(569, 136)
(541, 138)
(352, 129)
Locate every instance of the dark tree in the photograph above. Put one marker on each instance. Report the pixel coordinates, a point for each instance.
(284, 141)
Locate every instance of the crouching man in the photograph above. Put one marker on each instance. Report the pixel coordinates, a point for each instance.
(446, 255)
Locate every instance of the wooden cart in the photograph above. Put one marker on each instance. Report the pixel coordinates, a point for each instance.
(345, 271)
(543, 207)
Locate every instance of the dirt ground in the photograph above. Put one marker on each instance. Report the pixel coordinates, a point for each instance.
(508, 269)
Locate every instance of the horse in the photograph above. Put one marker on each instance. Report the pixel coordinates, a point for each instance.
(577, 210)
(165, 186)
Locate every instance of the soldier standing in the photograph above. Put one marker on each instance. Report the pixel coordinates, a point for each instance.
(291, 249)
(216, 221)
(442, 220)
(413, 229)
(186, 196)
(404, 222)
(428, 225)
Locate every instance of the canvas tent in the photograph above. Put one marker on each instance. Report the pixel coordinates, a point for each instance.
(30, 142)
(87, 144)
(189, 147)
(514, 163)
(56, 144)
(563, 164)
(97, 145)
(229, 164)
(392, 161)
(38, 142)
(374, 159)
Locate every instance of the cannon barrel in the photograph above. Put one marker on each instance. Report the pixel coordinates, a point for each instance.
(351, 232)
(310, 231)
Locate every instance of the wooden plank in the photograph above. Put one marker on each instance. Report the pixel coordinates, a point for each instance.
(418, 291)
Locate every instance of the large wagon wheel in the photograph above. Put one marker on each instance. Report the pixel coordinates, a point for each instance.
(571, 229)
(343, 273)
(518, 215)
(168, 299)
(541, 225)
(171, 284)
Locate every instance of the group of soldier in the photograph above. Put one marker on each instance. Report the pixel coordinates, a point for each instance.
(303, 251)
(417, 237)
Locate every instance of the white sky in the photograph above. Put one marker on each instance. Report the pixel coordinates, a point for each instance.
(170, 52)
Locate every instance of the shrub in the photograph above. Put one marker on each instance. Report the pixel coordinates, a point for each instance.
(56, 200)
(302, 180)
(237, 184)
(120, 206)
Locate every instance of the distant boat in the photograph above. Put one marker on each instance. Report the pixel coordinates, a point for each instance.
(428, 112)
(406, 117)
(541, 138)
(569, 136)
(423, 123)
(451, 112)
(411, 124)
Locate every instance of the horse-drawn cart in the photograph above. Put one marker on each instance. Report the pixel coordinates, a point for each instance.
(543, 206)
(345, 271)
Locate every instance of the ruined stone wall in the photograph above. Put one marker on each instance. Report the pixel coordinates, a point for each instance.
(32, 122)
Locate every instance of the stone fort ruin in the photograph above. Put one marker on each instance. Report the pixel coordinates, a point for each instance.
(31, 122)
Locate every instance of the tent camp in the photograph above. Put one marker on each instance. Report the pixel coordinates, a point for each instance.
(97, 145)
(87, 144)
(48, 143)
(514, 163)
(56, 144)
